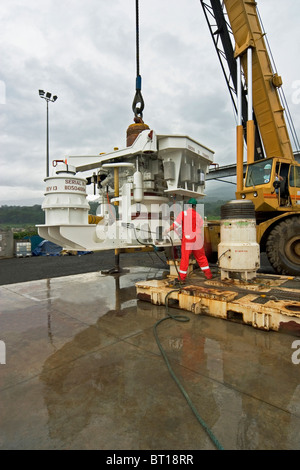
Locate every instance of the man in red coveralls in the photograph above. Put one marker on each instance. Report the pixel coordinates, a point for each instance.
(191, 224)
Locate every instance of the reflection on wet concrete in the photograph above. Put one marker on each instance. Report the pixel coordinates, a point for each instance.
(83, 371)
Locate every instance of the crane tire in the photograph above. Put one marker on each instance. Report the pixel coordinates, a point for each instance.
(283, 247)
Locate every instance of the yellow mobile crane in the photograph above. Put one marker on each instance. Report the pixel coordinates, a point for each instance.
(272, 176)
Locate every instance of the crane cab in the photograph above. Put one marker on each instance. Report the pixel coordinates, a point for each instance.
(273, 184)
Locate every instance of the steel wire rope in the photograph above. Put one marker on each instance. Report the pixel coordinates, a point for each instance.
(138, 98)
(137, 37)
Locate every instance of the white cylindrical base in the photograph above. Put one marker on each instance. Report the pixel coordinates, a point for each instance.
(238, 251)
(65, 200)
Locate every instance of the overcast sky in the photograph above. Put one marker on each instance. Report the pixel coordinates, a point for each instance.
(84, 52)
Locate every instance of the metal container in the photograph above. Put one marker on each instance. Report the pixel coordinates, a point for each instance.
(22, 249)
(6, 244)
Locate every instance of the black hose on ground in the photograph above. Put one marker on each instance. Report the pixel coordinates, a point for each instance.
(182, 318)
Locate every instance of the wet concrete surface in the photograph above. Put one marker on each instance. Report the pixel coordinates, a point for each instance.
(83, 371)
(14, 270)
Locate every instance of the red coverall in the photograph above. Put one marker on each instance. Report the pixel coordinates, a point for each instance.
(191, 224)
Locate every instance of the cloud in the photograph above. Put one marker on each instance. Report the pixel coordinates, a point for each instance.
(85, 53)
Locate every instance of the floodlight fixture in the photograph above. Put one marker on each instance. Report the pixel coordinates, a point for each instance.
(47, 98)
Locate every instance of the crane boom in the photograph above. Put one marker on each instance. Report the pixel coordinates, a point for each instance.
(269, 112)
(221, 34)
(271, 183)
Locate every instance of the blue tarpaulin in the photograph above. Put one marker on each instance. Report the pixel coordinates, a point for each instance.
(46, 248)
(35, 241)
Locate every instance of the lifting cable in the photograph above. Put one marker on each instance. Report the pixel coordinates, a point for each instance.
(138, 102)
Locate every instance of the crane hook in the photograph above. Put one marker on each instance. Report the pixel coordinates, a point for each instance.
(138, 102)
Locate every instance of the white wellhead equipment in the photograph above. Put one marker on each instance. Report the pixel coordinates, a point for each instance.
(238, 251)
(136, 187)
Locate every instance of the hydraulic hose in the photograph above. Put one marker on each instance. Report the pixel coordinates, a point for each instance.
(182, 318)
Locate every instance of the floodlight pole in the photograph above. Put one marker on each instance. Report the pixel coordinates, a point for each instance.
(47, 162)
(48, 98)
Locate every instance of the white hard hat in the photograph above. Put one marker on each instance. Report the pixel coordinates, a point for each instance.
(268, 166)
